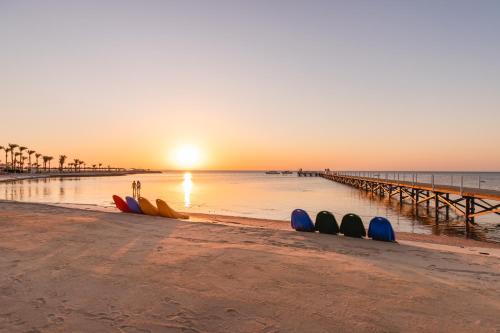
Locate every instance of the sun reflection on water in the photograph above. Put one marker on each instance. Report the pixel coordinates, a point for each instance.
(187, 186)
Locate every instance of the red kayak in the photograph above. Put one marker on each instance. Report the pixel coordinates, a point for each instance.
(121, 204)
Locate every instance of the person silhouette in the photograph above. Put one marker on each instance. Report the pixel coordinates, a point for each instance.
(134, 187)
(138, 186)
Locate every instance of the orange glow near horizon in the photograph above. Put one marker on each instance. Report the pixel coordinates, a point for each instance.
(186, 157)
(223, 151)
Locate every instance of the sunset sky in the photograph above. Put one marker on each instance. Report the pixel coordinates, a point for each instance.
(397, 85)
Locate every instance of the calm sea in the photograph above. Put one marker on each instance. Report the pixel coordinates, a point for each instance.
(255, 194)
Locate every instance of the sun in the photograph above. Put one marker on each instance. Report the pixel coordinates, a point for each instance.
(187, 156)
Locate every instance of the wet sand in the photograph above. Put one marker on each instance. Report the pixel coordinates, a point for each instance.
(74, 270)
(403, 237)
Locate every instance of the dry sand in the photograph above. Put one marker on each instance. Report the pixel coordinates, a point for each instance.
(71, 270)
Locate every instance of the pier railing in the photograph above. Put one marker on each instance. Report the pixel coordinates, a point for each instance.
(472, 180)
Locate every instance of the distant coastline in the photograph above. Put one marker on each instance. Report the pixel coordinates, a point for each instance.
(9, 177)
(321, 170)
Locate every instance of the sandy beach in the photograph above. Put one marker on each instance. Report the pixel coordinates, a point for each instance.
(73, 270)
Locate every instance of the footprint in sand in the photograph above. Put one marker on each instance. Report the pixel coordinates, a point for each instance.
(258, 268)
(169, 300)
(7, 291)
(133, 329)
(64, 310)
(39, 302)
(55, 319)
(232, 311)
(33, 330)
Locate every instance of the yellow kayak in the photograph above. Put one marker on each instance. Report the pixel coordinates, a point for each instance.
(147, 207)
(165, 211)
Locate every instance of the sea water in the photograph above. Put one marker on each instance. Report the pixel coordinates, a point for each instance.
(255, 194)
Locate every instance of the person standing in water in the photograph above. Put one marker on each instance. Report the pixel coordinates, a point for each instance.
(138, 186)
(134, 187)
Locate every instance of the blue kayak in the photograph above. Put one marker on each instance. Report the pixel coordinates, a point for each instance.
(301, 221)
(133, 205)
(381, 229)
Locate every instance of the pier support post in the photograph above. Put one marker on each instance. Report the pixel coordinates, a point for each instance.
(447, 209)
(436, 207)
(400, 195)
(472, 209)
(416, 195)
(467, 212)
(427, 203)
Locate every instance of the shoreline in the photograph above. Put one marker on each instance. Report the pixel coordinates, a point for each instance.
(72, 270)
(439, 242)
(10, 177)
(422, 221)
(401, 236)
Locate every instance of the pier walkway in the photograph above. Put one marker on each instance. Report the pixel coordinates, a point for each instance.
(302, 173)
(464, 201)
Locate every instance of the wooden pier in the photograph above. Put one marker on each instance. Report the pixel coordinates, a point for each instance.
(303, 173)
(463, 201)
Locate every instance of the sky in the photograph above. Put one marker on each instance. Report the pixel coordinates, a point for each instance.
(255, 85)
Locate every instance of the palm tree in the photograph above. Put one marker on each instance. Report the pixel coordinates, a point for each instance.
(93, 166)
(21, 149)
(30, 152)
(12, 146)
(49, 159)
(3, 148)
(37, 155)
(62, 159)
(7, 150)
(76, 161)
(46, 159)
(15, 160)
(100, 165)
(23, 159)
